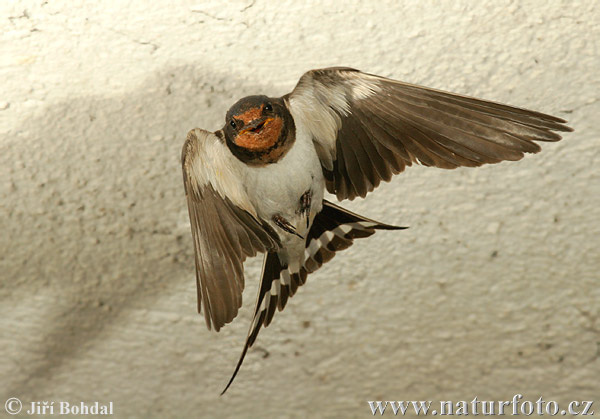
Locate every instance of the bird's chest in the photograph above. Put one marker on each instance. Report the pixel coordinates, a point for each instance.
(277, 188)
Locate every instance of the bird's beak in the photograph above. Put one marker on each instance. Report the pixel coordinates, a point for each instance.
(257, 125)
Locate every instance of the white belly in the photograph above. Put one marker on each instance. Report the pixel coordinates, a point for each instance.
(276, 189)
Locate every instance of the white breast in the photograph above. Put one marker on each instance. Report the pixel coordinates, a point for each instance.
(276, 188)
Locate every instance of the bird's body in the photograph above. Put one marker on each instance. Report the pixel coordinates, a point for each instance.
(257, 185)
(278, 188)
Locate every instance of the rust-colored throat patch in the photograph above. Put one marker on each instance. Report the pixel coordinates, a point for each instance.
(261, 136)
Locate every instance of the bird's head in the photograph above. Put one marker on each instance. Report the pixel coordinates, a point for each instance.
(256, 129)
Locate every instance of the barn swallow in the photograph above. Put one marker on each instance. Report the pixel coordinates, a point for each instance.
(257, 184)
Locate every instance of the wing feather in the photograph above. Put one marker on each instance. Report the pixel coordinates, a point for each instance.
(224, 232)
(367, 127)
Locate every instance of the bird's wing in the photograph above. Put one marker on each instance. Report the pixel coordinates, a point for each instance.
(367, 128)
(225, 228)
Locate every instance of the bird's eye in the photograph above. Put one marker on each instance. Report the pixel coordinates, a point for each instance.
(268, 107)
(232, 123)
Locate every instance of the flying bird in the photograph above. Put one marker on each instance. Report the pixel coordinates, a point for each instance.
(257, 184)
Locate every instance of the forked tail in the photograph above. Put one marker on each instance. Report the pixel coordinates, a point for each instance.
(333, 229)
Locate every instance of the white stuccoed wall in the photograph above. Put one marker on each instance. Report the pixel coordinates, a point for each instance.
(493, 291)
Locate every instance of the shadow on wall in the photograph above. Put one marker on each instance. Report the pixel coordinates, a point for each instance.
(96, 215)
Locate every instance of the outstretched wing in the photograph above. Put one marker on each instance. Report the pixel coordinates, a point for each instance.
(225, 228)
(367, 128)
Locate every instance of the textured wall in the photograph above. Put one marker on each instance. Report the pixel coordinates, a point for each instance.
(493, 291)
